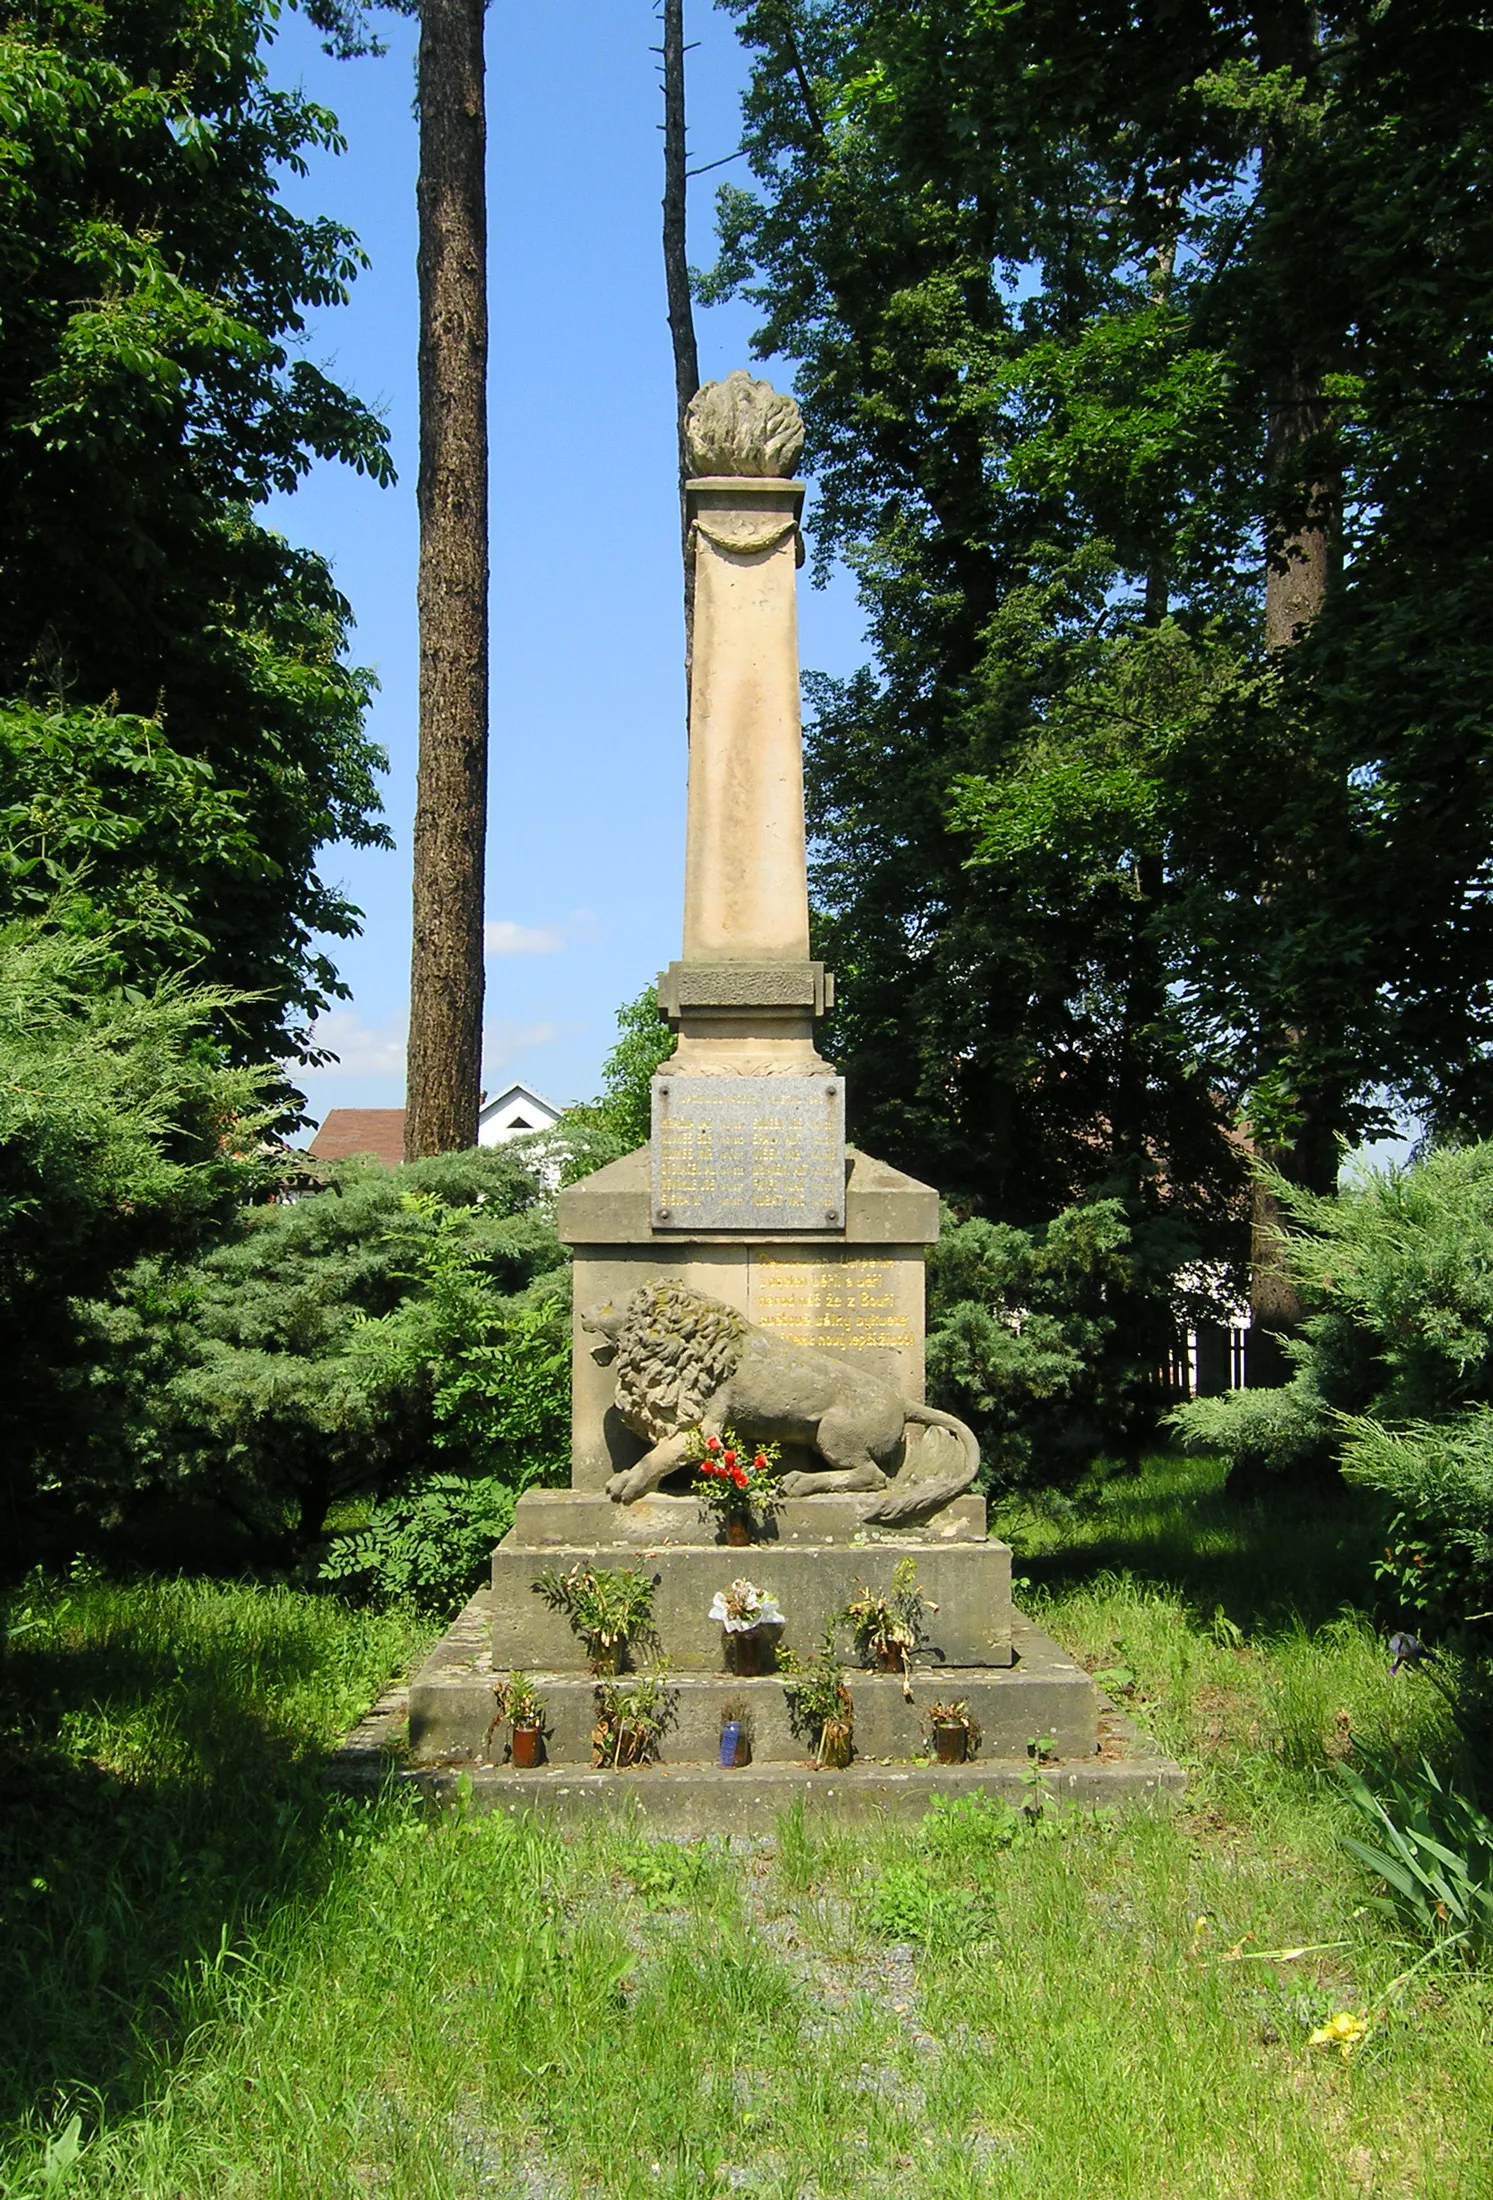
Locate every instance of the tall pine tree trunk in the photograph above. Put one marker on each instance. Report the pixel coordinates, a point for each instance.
(1302, 542)
(1301, 558)
(1302, 549)
(446, 976)
(676, 278)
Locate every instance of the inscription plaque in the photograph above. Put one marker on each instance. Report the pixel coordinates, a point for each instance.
(748, 1153)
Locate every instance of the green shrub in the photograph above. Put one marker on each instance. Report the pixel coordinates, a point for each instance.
(124, 1132)
(345, 1343)
(1439, 1479)
(1040, 1340)
(1394, 1374)
(1286, 1431)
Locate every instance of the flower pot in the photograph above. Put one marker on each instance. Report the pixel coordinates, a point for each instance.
(834, 1746)
(749, 1651)
(738, 1530)
(735, 1748)
(888, 1657)
(606, 1658)
(528, 1747)
(951, 1744)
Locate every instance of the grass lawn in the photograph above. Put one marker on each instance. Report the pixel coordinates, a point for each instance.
(244, 1986)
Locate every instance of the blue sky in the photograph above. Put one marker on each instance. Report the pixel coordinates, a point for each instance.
(585, 847)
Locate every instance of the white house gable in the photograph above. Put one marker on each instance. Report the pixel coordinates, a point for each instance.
(508, 1114)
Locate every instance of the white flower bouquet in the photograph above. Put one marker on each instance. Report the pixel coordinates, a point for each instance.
(744, 1606)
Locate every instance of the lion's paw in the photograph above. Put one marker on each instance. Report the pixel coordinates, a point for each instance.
(628, 1488)
(798, 1484)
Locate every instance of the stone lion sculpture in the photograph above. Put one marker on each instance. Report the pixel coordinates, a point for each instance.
(688, 1362)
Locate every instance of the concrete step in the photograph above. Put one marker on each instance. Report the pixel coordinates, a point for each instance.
(545, 1519)
(1110, 1763)
(689, 1802)
(1011, 1707)
(1042, 1694)
(968, 1586)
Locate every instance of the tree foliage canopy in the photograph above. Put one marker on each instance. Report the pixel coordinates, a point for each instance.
(1097, 310)
(182, 724)
(620, 1118)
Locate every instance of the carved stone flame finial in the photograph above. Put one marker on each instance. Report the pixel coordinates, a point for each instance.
(741, 426)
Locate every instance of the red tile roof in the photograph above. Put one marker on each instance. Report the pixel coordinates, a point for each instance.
(349, 1131)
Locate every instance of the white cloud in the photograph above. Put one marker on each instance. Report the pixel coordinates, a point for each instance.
(503, 1038)
(501, 936)
(367, 1050)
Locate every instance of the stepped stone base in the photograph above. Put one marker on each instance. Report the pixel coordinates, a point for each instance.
(1095, 1756)
(436, 1739)
(1043, 1694)
(1019, 1686)
(968, 1583)
(545, 1519)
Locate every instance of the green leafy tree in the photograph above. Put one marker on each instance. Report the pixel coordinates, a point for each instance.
(152, 290)
(1038, 1338)
(620, 1119)
(96, 804)
(1132, 347)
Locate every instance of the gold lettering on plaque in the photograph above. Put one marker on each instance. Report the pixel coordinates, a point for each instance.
(834, 1306)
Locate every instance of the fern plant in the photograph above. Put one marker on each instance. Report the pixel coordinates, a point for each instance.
(429, 1545)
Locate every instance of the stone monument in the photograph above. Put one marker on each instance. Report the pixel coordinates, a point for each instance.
(746, 1192)
(748, 1270)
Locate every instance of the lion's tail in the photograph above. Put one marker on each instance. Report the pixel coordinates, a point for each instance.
(910, 1494)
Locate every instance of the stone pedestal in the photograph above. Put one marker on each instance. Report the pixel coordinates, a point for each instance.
(856, 1289)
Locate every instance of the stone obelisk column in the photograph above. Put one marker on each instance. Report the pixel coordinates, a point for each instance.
(746, 1190)
(744, 993)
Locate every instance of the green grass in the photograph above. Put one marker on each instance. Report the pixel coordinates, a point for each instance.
(245, 1987)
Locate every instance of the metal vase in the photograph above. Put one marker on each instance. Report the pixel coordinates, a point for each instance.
(951, 1744)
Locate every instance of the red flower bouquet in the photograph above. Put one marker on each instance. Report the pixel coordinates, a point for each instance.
(736, 1481)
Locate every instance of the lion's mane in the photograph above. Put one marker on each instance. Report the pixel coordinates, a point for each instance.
(675, 1348)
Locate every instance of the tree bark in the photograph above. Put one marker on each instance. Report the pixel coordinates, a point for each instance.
(446, 975)
(676, 277)
(1301, 550)
(1302, 542)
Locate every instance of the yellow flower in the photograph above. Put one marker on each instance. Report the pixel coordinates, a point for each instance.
(1344, 2031)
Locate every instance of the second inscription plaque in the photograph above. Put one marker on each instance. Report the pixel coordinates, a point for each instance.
(748, 1153)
